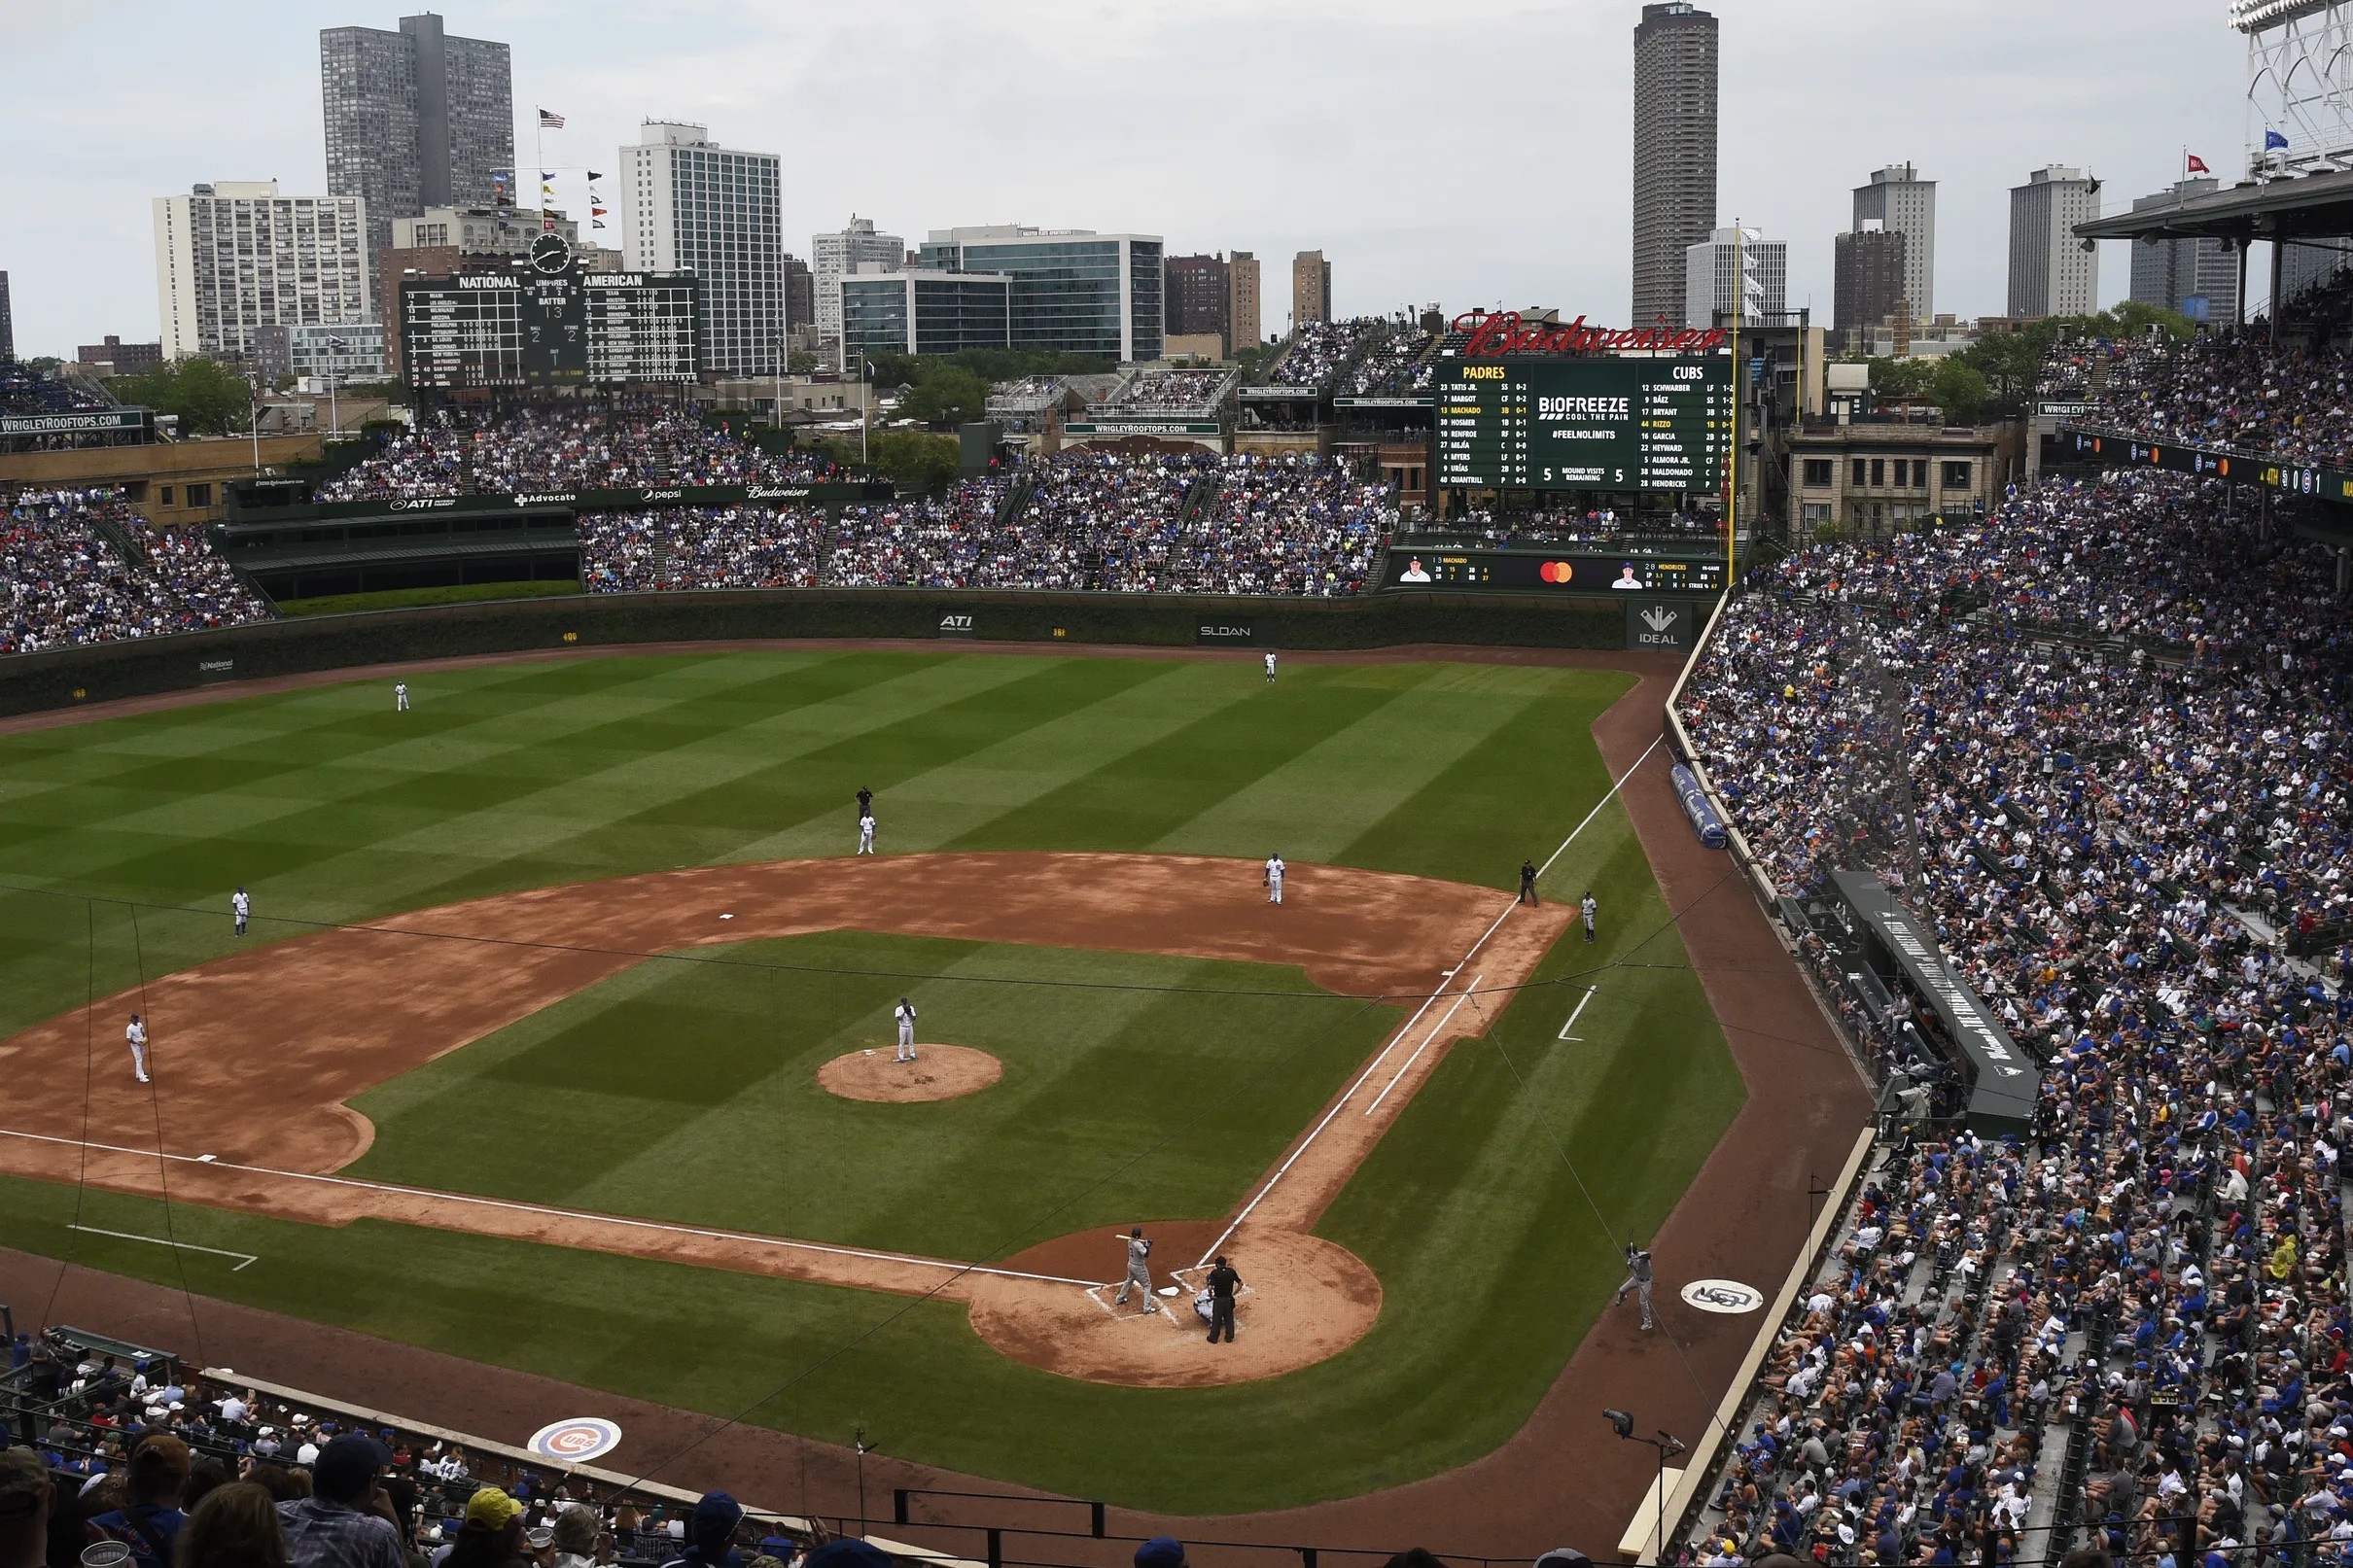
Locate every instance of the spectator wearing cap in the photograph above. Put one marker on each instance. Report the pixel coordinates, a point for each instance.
(26, 1495)
(345, 1522)
(711, 1534)
(1161, 1552)
(491, 1535)
(234, 1526)
(150, 1519)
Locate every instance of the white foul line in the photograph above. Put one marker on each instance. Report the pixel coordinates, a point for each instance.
(1573, 1012)
(512, 1207)
(1374, 1065)
(1436, 1029)
(165, 1241)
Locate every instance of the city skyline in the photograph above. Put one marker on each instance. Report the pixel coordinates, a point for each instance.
(1307, 165)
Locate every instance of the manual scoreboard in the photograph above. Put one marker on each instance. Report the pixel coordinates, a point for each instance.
(530, 329)
(1596, 424)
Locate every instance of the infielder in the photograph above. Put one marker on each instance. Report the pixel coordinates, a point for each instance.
(1140, 1271)
(1637, 1278)
(399, 696)
(904, 1012)
(1589, 909)
(242, 907)
(136, 1037)
(1273, 879)
(1270, 667)
(866, 833)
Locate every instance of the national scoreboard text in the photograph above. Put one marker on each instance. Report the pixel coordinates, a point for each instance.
(498, 329)
(1597, 424)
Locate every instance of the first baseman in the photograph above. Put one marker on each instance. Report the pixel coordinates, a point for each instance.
(1637, 1278)
(1273, 879)
(399, 696)
(904, 1012)
(240, 906)
(866, 833)
(1140, 1271)
(136, 1037)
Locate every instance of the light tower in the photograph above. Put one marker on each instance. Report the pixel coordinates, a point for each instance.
(2299, 84)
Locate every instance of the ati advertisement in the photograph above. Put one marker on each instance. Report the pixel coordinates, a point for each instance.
(1540, 571)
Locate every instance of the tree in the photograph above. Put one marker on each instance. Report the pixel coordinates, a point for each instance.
(800, 361)
(916, 461)
(949, 395)
(1959, 389)
(209, 398)
(2009, 364)
(1892, 378)
(43, 363)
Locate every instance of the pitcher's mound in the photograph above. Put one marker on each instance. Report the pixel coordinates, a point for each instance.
(937, 1072)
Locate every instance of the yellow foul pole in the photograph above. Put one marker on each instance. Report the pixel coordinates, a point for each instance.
(1732, 507)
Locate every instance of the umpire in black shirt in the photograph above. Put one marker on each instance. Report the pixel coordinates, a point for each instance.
(1223, 1282)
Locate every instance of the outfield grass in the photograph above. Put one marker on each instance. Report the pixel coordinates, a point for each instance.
(1135, 1086)
(1491, 1211)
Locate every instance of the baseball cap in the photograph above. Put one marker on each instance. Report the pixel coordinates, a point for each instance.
(717, 1511)
(24, 1483)
(1161, 1552)
(347, 1466)
(491, 1508)
(1564, 1557)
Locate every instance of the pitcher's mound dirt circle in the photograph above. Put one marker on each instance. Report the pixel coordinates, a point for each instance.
(1304, 1300)
(937, 1072)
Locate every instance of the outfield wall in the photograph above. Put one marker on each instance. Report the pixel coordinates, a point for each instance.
(62, 678)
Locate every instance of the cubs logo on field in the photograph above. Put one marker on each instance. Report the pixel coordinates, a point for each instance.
(575, 1442)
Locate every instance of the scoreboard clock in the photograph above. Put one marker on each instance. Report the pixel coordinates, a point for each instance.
(1596, 424)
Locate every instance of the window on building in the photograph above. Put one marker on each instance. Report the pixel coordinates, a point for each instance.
(1879, 470)
(1956, 475)
(1820, 472)
(163, 495)
(1817, 513)
(1862, 473)
(1919, 474)
(200, 495)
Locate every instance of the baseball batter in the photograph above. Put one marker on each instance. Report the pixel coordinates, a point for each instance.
(1638, 1279)
(866, 833)
(1273, 879)
(136, 1037)
(399, 696)
(904, 1012)
(1140, 1271)
(240, 906)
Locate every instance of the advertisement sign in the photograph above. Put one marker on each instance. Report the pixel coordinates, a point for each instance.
(1661, 625)
(1527, 570)
(1230, 630)
(956, 623)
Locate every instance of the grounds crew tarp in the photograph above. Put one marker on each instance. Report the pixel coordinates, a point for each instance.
(2003, 1080)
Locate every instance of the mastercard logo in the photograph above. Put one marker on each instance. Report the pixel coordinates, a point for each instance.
(1556, 572)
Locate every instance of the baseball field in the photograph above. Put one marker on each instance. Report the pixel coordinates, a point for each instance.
(562, 1040)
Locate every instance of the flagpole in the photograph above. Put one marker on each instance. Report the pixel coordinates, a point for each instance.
(1732, 510)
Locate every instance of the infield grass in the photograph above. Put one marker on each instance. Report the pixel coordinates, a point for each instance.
(1492, 1212)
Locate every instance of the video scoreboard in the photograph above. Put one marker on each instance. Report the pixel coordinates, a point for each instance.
(1597, 424)
(527, 329)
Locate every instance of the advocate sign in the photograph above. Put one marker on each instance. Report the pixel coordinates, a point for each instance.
(1494, 336)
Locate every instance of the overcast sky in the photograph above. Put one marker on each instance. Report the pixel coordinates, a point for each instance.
(1468, 152)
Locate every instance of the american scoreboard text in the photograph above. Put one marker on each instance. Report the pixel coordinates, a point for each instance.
(1598, 423)
(494, 329)
(1524, 571)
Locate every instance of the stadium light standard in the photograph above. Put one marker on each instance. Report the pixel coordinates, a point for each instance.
(1664, 1444)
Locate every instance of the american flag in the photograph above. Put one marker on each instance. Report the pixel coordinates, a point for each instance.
(550, 121)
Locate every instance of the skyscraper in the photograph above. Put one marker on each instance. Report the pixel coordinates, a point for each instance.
(2052, 273)
(1867, 278)
(2197, 276)
(1674, 151)
(833, 257)
(800, 292)
(1201, 297)
(1074, 290)
(235, 257)
(1311, 288)
(689, 205)
(1903, 203)
(415, 119)
(1712, 286)
(1242, 318)
(8, 325)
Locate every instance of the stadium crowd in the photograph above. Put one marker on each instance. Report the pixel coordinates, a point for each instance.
(82, 566)
(1396, 365)
(573, 445)
(1170, 391)
(2124, 730)
(1321, 349)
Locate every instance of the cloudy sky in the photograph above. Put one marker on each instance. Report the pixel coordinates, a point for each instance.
(1469, 152)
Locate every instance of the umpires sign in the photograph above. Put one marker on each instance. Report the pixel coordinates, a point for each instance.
(956, 623)
(1225, 631)
(1660, 625)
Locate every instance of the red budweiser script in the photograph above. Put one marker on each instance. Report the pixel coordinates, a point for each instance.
(1494, 336)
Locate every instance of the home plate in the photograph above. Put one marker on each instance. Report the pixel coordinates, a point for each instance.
(1168, 1290)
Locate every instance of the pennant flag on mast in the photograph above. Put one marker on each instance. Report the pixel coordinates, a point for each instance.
(2194, 165)
(2273, 141)
(549, 121)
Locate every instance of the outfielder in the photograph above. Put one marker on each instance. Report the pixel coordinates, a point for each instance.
(136, 1037)
(1270, 667)
(1637, 1278)
(1589, 909)
(399, 696)
(242, 907)
(1273, 879)
(904, 1012)
(866, 833)
(1140, 1271)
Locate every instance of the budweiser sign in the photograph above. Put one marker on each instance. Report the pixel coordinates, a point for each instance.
(1491, 337)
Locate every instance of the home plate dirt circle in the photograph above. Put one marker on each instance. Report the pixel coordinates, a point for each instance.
(937, 1072)
(1304, 1300)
